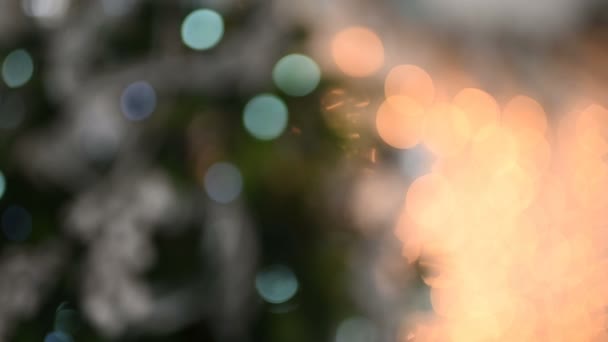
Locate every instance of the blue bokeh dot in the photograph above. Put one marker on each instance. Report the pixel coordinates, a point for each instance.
(138, 101)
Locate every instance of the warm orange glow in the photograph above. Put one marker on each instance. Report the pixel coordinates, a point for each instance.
(533, 153)
(399, 122)
(407, 232)
(509, 231)
(410, 81)
(357, 51)
(447, 130)
(480, 107)
(523, 114)
(494, 150)
(589, 184)
(592, 130)
(510, 192)
(429, 200)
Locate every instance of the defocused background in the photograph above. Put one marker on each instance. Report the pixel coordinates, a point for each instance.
(205, 170)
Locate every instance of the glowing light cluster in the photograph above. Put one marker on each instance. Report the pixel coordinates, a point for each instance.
(508, 226)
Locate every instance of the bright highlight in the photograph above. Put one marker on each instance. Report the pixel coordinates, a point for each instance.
(358, 51)
(296, 75)
(17, 69)
(202, 29)
(265, 117)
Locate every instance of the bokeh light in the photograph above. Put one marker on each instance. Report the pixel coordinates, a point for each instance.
(505, 240)
(276, 284)
(138, 101)
(2, 184)
(523, 114)
(494, 150)
(16, 223)
(534, 152)
(400, 121)
(591, 129)
(58, 336)
(357, 329)
(202, 29)
(17, 69)
(265, 117)
(446, 131)
(296, 75)
(297, 128)
(429, 200)
(357, 51)
(410, 81)
(223, 182)
(480, 108)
